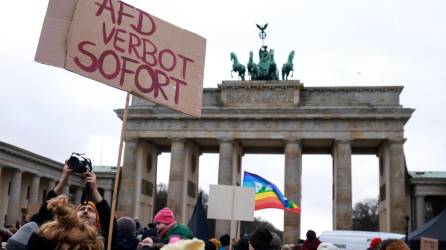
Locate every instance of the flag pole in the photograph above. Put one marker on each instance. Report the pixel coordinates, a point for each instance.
(117, 174)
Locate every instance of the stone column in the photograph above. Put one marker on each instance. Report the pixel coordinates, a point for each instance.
(419, 210)
(78, 195)
(396, 185)
(384, 220)
(1, 182)
(34, 201)
(51, 185)
(342, 186)
(191, 165)
(293, 189)
(14, 209)
(225, 162)
(146, 166)
(108, 195)
(225, 177)
(177, 192)
(127, 191)
(1, 185)
(2, 212)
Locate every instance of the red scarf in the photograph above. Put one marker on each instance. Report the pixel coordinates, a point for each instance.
(164, 230)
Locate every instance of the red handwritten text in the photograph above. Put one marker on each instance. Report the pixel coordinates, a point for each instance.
(130, 54)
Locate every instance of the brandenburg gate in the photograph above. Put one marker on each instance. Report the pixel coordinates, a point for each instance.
(269, 117)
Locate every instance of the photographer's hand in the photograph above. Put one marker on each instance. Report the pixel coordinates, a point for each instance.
(58, 189)
(90, 178)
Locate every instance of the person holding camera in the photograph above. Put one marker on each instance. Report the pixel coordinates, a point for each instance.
(66, 231)
(93, 210)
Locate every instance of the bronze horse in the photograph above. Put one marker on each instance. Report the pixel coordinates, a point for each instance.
(288, 67)
(237, 67)
(253, 69)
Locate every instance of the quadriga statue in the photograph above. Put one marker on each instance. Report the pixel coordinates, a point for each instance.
(266, 69)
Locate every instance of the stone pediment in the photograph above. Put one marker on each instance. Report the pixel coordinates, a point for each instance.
(260, 94)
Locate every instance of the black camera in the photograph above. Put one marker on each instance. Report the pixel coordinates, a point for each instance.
(79, 164)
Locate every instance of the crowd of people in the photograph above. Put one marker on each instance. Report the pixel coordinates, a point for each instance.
(60, 225)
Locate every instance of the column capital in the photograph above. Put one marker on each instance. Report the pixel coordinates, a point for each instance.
(396, 140)
(34, 175)
(226, 139)
(15, 170)
(343, 141)
(293, 140)
(131, 140)
(177, 139)
(239, 146)
(194, 144)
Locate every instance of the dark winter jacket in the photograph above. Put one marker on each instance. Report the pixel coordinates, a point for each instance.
(125, 241)
(37, 242)
(149, 232)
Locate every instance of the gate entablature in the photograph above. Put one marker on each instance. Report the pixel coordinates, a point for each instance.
(275, 111)
(260, 94)
(284, 95)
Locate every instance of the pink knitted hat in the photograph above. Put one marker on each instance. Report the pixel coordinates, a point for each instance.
(164, 216)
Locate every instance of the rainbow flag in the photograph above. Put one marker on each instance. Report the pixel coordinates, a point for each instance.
(267, 194)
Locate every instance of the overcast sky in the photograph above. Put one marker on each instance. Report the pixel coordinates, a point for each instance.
(53, 112)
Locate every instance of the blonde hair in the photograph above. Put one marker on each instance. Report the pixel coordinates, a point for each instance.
(67, 231)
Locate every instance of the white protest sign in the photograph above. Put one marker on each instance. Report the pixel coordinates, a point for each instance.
(231, 203)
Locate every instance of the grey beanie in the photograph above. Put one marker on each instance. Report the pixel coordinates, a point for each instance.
(126, 225)
(20, 239)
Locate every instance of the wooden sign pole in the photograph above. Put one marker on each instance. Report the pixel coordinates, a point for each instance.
(232, 217)
(117, 174)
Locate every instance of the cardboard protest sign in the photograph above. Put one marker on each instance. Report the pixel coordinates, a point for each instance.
(52, 47)
(428, 244)
(237, 201)
(117, 44)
